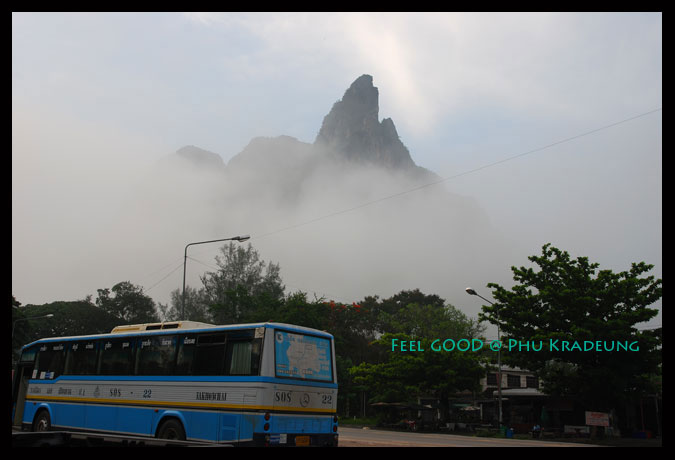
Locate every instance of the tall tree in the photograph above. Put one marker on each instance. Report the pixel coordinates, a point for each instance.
(196, 306)
(581, 316)
(243, 285)
(128, 303)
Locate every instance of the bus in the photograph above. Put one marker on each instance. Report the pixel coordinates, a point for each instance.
(269, 384)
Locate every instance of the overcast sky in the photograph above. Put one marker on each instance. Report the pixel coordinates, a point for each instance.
(99, 98)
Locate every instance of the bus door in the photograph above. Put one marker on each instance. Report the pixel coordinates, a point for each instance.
(24, 372)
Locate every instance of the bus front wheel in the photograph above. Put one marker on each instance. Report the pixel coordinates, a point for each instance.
(171, 429)
(43, 421)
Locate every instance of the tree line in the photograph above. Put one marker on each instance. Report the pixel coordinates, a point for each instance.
(557, 298)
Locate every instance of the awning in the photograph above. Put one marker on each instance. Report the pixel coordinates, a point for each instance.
(519, 392)
(400, 405)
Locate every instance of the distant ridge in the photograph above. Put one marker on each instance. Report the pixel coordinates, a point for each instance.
(201, 156)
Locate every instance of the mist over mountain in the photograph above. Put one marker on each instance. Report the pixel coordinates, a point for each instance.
(346, 216)
(536, 150)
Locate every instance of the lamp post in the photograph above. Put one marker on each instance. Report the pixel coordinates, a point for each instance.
(235, 238)
(48, 315)
(499, 356)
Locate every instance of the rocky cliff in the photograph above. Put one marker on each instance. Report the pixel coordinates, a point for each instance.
(353, 130)
(351, 135)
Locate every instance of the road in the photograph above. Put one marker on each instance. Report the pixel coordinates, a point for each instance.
(357, 437)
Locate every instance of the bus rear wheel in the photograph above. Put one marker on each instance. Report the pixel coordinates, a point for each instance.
(171, 429)
(43, 421)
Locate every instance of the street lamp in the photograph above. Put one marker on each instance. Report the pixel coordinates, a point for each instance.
(499, 355)
(236, 238)
(49, 315)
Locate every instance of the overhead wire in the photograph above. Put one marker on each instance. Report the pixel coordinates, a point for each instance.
(165, 277)
(445, 179)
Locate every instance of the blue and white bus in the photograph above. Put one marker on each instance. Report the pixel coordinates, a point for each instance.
(258, 384)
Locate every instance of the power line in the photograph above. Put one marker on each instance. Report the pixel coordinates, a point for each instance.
(203, 263)
(165, 277)
(465, 173)
(160, 269)
(169, 265)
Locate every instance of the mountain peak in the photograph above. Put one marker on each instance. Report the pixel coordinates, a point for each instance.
(352, 129)
(363, 97)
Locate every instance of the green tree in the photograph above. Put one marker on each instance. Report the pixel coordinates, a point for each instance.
(79, 317)
(128, 303)
(243, 286)
(390, 375)
(196, 306)
(299, 310)
(405, 375)
(432, 321)
(381, 313)
(571, 301)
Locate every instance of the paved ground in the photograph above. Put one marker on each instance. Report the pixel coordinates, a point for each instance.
(357, 437)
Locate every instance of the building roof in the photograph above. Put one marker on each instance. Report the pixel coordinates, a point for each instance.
(520, 392)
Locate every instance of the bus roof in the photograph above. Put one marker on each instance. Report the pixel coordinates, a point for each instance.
(163, 328)
(160, 326)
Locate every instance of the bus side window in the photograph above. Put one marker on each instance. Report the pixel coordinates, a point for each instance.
(243, 357)
(116, 356)
(156, 355)
(186, 352)
(49, 361)
(81, 358)
(209, 356)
